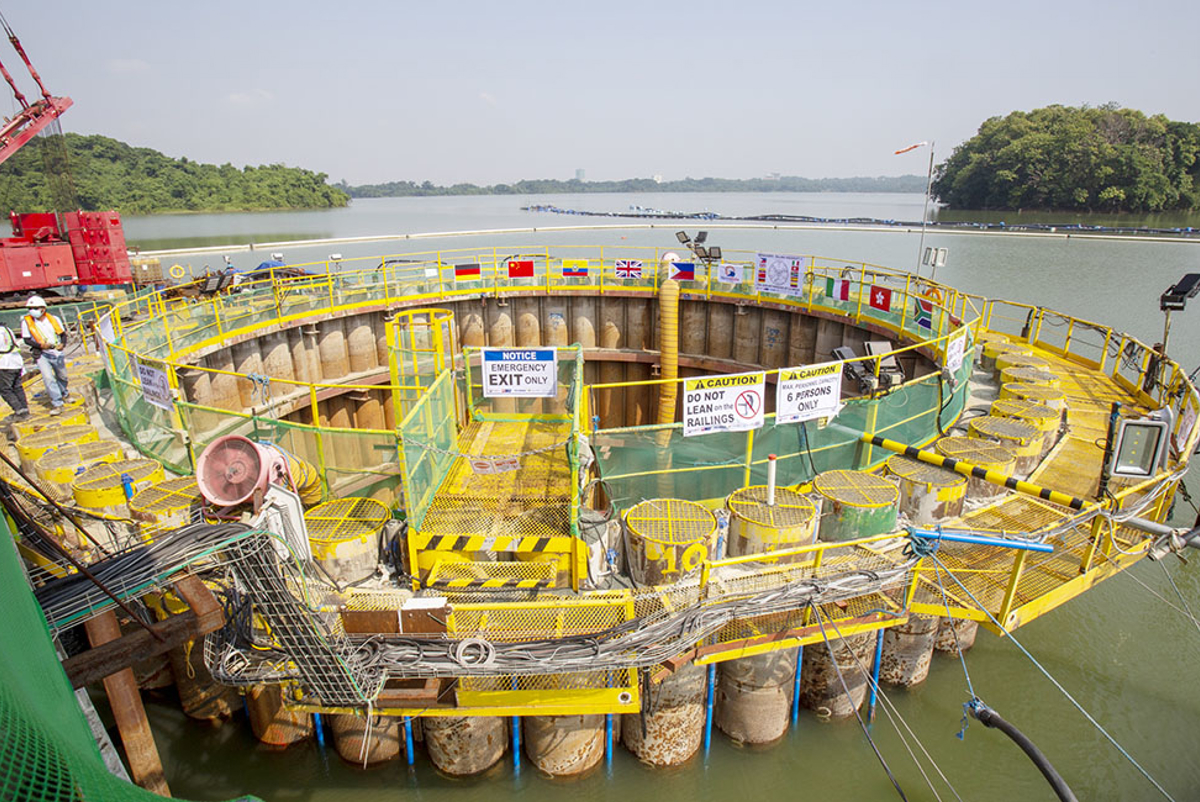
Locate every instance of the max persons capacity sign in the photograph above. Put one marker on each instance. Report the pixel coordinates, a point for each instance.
(530, 372)
(808, 393)
(723, 403)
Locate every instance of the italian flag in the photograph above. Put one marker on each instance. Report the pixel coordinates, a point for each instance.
(838, 288)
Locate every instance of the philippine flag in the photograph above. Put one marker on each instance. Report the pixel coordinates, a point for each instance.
(575, 268)
(683, 271)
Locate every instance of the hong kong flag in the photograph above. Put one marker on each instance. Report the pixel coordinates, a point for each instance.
(881, 298)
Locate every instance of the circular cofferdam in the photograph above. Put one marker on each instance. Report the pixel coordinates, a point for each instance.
(1052, 397)
(928, 494)
(754, 696)
(908, 650)
(166, 505)
(670, 728)
(1016, 360)
(956, 635)
(756, 527)
(857, 504)
(667, 539)
(563, 746)
(366, 740)
(834, 675)
(464, 745)
(102, 487)
(344, 536)
(993, 349)
(983, 454)
(1043, 418)
(58, 468)
(1022, 438)
(271, 722)
(32, 446)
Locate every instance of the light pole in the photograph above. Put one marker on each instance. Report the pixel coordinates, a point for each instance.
(928, 186)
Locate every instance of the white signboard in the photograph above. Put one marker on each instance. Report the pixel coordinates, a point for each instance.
(1187, 422)
(105, 329)
(781, 274)
(732, 403)
(485, 465)
(156, 388)
(528, 372)
(955, 350)
(808, 393)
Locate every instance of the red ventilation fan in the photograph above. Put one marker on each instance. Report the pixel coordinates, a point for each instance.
(232, 467)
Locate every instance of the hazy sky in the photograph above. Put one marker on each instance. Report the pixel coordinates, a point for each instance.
(491, 92)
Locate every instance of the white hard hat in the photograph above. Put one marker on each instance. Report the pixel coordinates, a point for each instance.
(670, 256)
(35, 301)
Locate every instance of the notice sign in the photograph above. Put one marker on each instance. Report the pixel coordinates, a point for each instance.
(955, 350)
(156, 388)
(808, 393)
(486, 465)
(529, 372)
(723, 403)
(779, 273)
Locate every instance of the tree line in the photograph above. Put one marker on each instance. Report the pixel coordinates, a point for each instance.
(109, 174)
(403, 189)
(1075, 158)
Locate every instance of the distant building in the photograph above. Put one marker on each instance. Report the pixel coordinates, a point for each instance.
(773, 176)
(579, 174)
(658, 179)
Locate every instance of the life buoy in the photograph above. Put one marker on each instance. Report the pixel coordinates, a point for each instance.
(178, 272)
(933, 294)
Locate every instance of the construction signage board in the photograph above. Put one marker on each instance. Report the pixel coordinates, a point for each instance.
(486, 465)
(955, 350)
(732, 403)
(808, 393)
(528, 372)
(781, 274)
(156, 387)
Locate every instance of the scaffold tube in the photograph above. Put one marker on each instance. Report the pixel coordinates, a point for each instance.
(967, 469)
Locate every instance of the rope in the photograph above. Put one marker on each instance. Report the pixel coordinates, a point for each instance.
(1058, 685)
(845, 689)
(260, 387)
(1171, 579)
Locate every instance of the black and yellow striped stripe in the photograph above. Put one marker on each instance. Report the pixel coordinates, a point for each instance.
(967, 469)
(553, 545)
(511, 583)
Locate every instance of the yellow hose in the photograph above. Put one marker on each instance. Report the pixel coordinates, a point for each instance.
(668, 345)
(306, 479)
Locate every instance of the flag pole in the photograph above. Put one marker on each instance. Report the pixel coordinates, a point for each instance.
(925, 214)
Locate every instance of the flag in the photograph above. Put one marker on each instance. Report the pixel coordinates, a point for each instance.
(520, 269)
(628, 268)
(468, 272)
(881, 298)
(730, 274)
(838, 289)
(574, 268)
(924, 313)
(910, 147)
(683, 271)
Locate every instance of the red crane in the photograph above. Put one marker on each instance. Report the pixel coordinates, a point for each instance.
(50, 250)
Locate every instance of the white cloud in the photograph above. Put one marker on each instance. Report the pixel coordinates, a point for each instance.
(126, 66)
(252, 97)
(488, 99)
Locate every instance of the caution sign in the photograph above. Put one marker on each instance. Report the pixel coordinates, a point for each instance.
(808, 393)
(486, 465)
(156, 387)
(529, 372)
(956, 348)
(732, 403)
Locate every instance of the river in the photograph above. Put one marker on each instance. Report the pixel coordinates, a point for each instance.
(1124, 651)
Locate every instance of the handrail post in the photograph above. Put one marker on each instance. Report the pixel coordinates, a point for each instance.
(1010, 593)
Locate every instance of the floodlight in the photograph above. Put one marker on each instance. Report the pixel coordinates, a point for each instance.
(335, 257)
(683, 238)
(701, 251)
(1176, 297)
(714, 252)
(701, 236)
(1141, 446)
(925, 258)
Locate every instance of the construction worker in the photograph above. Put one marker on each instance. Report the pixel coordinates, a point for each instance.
(12, 365)
(46, 335)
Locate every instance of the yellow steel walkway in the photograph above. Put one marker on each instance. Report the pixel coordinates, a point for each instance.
(1016, 587)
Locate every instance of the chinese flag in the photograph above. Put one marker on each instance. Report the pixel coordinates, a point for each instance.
(520, 269)
(881, 298)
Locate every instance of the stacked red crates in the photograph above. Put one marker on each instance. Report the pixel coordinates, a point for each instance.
(98, 245)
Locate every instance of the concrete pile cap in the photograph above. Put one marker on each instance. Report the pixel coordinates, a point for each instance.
(1024, 410)
(856, 488)
(790, 508)
(169, 494)
(345, 519)
(670, 520)
(1004, 428)
(922, 472)
(983, 453)
(108, 474)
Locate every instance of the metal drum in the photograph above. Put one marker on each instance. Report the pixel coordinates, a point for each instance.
(928, 494)
(1036, 393)
(993, 349)
(344, 536)
(1029, 375)
(1043, 418)
(1011, 360)
(668, 538)
(1023, 438)
(758, 528)
(984, 454)
(861, 505)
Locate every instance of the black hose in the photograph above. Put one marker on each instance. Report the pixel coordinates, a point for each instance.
(990, 718)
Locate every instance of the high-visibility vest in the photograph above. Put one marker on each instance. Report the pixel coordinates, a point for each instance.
(36, 333)
(8, 343)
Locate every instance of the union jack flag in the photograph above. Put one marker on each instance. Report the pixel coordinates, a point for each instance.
(628, 268)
